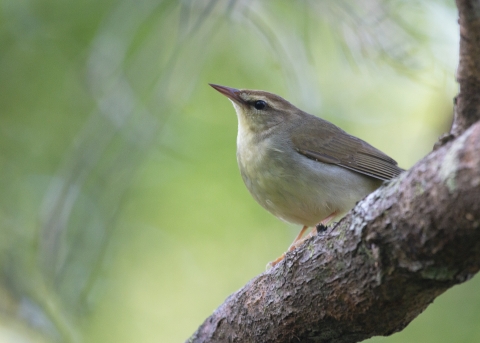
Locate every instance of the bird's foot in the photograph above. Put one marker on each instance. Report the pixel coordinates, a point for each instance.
(272, 264)
(320, 227)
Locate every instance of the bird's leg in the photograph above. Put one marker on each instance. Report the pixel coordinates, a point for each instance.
(322, 224)
(299, 237)
(274, 263)
(299, 240)
(292, 246)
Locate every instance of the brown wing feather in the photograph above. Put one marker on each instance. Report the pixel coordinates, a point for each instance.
(327, 143)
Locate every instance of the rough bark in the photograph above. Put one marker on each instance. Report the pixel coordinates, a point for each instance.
(467, 103)
(388, 259)
(401, 247)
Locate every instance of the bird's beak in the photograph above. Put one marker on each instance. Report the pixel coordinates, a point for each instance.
(231, 93)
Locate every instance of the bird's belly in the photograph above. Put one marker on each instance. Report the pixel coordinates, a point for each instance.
(300, 190)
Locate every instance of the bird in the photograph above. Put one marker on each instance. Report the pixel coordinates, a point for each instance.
(299, 167)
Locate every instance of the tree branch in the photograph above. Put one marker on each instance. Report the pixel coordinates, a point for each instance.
(387, 260)
(467, 103)
(374, 272)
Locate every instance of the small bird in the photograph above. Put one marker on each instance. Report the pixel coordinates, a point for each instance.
(299, 167)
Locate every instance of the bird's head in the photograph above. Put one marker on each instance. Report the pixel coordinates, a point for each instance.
(257, 110)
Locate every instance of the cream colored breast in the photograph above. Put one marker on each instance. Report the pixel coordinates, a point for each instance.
(294, 188)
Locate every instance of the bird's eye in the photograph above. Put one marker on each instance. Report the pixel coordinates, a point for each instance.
(260, 105)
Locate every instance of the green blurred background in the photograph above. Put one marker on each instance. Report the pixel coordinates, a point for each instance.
(123, 215)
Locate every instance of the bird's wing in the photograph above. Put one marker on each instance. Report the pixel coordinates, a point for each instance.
(327, 143)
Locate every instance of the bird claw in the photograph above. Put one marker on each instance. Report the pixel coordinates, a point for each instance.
(272, 264)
